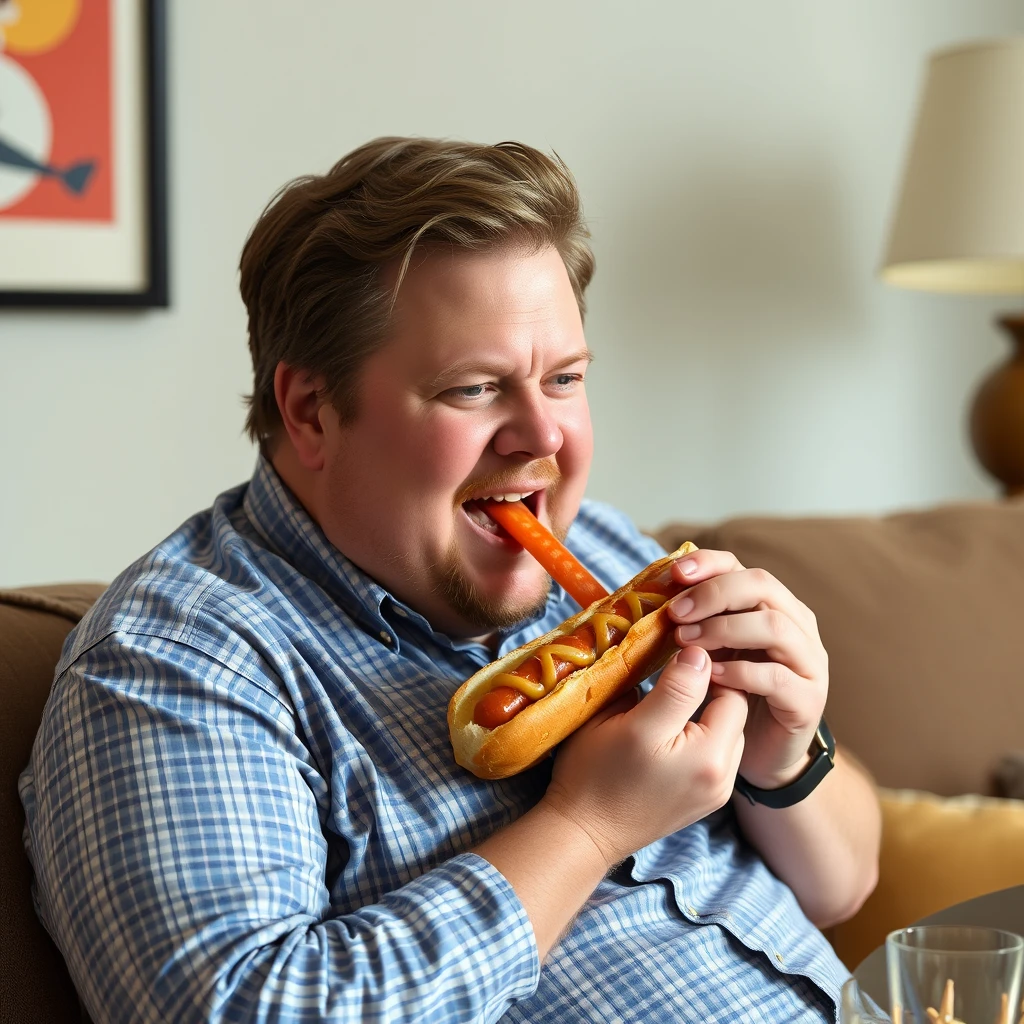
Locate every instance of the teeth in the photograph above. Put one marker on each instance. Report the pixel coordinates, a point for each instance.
(481, 518)
(506, 497)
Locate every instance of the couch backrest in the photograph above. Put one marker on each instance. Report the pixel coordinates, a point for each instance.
(922, 614)
(34, 984)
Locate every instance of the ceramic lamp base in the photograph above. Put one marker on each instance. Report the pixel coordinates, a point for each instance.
(997, 416)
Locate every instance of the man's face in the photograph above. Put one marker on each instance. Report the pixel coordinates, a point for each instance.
(479, 391)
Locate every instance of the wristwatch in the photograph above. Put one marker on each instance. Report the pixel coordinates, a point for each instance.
(825, 745)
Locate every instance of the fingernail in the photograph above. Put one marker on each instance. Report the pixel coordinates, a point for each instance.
(692, 656)
(688, 632)
(689, 567)
(682, 606)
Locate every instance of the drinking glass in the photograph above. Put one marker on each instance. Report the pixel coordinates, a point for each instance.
(857, 1007)
(954, 975)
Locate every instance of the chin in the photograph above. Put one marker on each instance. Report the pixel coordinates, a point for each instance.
(485, 607)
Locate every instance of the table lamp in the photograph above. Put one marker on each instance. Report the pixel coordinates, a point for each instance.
(959, 221)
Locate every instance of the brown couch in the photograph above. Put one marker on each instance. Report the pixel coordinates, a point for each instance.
(921, 614)
(34, 986)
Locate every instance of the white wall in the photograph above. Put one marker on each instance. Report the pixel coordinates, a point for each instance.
(737, 160)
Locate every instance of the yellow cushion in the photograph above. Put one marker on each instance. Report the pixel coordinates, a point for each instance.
(936, 852)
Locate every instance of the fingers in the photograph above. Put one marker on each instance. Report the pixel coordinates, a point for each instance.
(795, 701)
(703, 564)
(732, 590)
(765, 629)
(730, 712)
(619, 706)
(725, 713)
(676, 696)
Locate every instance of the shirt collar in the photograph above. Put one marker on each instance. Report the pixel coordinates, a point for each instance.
(287, 528)
(290, 531)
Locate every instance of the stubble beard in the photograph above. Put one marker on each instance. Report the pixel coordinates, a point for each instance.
(475, 606)
(479, 609)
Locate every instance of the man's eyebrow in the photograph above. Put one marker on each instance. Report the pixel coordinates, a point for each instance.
(584, 355)
(472, 366)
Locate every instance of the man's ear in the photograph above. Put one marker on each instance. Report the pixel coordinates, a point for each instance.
(301, 404)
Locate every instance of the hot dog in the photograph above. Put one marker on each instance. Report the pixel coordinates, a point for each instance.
(507, 716)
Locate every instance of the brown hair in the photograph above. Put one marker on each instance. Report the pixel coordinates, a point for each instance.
(312, 267)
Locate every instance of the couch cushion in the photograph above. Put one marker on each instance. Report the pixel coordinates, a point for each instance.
(921, 614)
(34, 985)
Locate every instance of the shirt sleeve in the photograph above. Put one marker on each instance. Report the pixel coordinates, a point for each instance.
(180, 860)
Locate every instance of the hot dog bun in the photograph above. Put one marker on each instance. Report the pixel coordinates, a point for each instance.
(522, 742)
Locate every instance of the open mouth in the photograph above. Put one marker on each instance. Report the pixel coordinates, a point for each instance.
(474, 509)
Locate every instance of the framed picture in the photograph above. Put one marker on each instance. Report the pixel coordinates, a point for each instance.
(83, 153)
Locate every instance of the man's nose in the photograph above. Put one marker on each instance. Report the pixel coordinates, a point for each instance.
(531, 429)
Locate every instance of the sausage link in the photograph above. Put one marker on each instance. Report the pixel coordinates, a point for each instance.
(517, 689)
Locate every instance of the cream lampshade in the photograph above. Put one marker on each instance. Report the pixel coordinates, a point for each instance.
(959, 221)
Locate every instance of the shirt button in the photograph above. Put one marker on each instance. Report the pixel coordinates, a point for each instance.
(778, 956)
(692, 910)
(400, 611)
(386, 637)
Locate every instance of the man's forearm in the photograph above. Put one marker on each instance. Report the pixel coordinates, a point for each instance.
(552, 866)
(826, 847)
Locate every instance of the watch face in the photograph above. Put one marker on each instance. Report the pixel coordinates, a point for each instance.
(824, 736)
(820, 766)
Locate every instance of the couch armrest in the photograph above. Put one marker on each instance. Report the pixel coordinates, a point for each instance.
(34, 984)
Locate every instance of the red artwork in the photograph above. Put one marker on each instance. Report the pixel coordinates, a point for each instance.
(56, 118)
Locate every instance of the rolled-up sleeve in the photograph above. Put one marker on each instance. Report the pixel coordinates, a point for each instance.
(180, 860)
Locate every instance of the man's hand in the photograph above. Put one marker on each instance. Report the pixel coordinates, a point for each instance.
(639, 771)
(763, 642)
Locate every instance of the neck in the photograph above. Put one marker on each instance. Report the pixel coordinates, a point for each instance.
(295, 477)
(489, 640)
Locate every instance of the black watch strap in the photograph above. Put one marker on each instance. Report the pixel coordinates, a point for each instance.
(823, 749)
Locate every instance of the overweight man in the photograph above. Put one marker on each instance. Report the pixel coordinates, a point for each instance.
(242, 803)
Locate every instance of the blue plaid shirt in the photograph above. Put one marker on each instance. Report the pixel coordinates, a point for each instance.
(242, 806)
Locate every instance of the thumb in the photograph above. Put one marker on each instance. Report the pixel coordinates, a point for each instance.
(678, 693)
(623, 703)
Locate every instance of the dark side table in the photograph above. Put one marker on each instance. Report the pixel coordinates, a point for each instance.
(1003, 909)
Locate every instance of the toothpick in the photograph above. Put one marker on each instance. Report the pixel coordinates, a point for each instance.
(946, 1006)
(1004, 1009)
(944, 1014)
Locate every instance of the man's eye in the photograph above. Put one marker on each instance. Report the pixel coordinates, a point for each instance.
(469, 391)
(564, 381)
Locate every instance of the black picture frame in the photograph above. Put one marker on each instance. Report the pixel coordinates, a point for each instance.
(155, 292)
